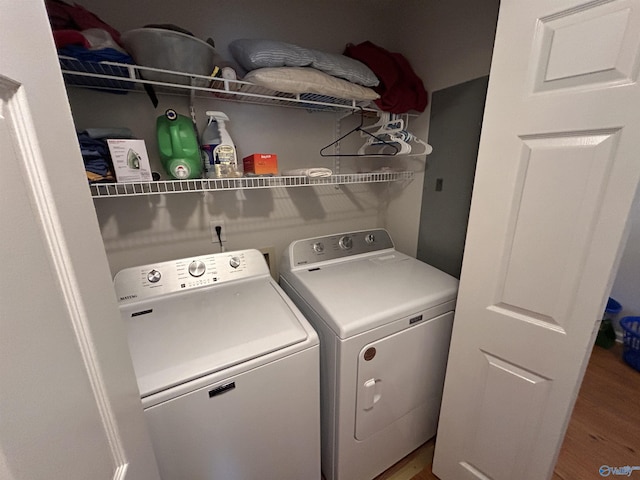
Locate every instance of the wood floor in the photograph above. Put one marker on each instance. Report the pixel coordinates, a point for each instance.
(604, 428)
(605, 425)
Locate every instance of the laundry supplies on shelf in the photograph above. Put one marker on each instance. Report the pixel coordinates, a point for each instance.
(209, 140)
(260, 164)
(178, 146)
(218, 151)
(312, 172)
(130, 160)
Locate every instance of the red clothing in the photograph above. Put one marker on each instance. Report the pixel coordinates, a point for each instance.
(62, 38)
(400, 88)
(63, 16)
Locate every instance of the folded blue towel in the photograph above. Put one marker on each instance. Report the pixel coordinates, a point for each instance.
(104, 54)
(95, 154)
(99, 166)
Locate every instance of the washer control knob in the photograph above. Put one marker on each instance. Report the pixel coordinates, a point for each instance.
(345, 242)
(318, 247)
(154, 276)
(234, 262)
(370, 238)
(197, 268)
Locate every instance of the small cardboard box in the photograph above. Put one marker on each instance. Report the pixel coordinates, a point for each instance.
(130, 160)
(261, 164)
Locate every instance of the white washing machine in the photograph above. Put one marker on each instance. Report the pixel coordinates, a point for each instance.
(384, 321)
(227, 367)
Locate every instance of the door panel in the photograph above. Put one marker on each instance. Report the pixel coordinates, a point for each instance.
(583, 47)
(26, 395)
(548, 229)
(514, 397)
(556, 177)
(69, 402)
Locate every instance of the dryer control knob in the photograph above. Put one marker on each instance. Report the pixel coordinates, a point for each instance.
(318, 247)
(234, 262)
(370, 238)
(154, 276)
(197, 268)
(345, 242)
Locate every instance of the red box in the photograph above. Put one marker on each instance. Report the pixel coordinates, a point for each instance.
(261, 164)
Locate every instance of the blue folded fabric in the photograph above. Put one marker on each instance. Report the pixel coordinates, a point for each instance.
(76, 58)
(99, 166)
(104, 54)
(95, 154)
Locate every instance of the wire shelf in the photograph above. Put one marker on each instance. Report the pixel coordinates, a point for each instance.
(100, 190)
(122, 78)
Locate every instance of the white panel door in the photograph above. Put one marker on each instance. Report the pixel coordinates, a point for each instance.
(69, 404)
(557, 171)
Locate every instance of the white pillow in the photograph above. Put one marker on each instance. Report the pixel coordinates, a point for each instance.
(253, 53)
(308, 80)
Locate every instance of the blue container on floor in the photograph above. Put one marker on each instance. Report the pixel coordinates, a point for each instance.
(631, 328)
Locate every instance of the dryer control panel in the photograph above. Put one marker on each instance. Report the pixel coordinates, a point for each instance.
(341, 245)
(137, 283)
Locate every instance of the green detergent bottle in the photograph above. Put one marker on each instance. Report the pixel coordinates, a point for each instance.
(178, 146)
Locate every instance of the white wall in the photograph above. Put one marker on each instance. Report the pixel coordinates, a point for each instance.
(447, 43)
(148, 229)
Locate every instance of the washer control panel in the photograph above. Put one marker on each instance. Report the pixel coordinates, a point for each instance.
(320, 249)
(136, 283)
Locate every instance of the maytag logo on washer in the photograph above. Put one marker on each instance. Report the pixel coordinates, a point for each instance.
(128, 297)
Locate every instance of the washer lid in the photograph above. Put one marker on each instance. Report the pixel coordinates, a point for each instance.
(363, 292)
(181, 337)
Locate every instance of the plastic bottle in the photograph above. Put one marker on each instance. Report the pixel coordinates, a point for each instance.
(178, 145)
(209, 141)
(223, 156)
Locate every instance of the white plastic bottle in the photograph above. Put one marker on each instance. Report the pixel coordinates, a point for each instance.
(225, 159)
(209, 141)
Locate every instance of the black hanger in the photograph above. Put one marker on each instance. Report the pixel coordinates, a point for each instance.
(360, 129)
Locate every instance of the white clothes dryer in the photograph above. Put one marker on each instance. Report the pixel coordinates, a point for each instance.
(227, 367)
(384, 321)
